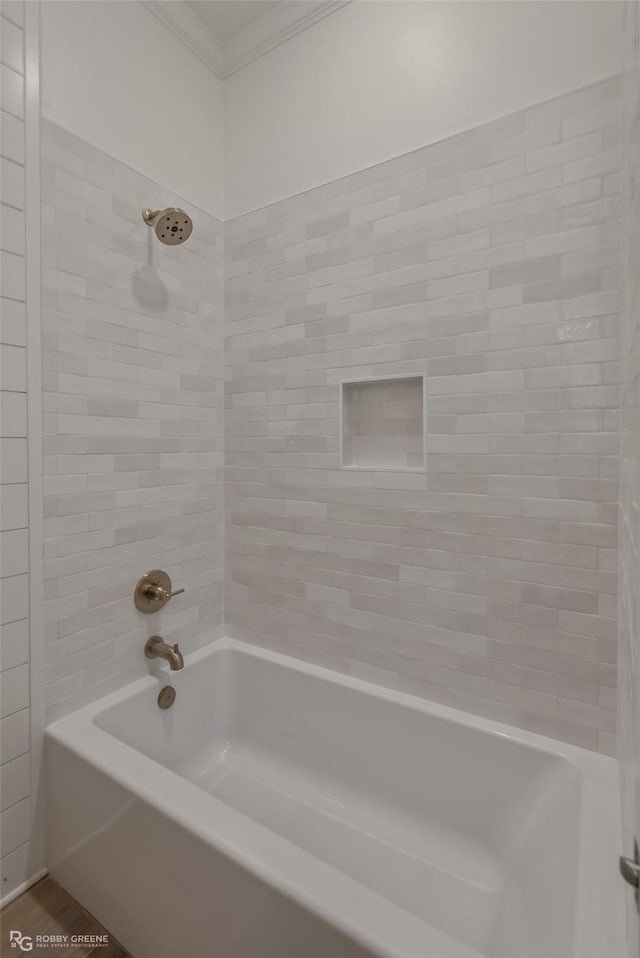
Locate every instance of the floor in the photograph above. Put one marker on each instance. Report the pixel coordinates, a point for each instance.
(46, 909)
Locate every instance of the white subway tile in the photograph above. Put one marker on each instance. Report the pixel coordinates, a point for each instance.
(13, 414)
(14, 506)
(13, 10)
(489, 546)
(12, 322)
(13, 368)
(11, 91)
(13, 460)
(12, 229)
(12, 180)
(14, 552)
(597, 165)
(11, 139)
(14, 592)
(16, 784)
(15, 644)
(15, 826)
(133, 402)
(12, 46)
(507, 307)
(12, 275)
(15, 687)
(17, 868)
(14, 735)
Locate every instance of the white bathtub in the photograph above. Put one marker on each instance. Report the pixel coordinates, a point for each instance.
(279, 810)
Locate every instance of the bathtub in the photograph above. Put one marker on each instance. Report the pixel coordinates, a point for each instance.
(281, 810)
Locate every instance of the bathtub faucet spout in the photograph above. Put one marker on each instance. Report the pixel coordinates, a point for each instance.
(157, 648)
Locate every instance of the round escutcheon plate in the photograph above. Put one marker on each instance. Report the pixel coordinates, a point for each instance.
(152, 591)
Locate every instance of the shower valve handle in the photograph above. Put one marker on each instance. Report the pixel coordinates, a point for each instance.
(153, 591)
(158, 593)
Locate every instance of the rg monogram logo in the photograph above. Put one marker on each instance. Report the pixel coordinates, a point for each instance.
(18, 940)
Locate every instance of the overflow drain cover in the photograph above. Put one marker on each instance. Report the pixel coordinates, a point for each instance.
(166, 697)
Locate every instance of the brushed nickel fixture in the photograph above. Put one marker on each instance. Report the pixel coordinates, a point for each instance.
(157, 648)
(172, 226)
(166, 697)
(153, 591)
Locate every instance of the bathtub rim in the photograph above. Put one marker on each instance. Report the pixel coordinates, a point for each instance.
(599, 917)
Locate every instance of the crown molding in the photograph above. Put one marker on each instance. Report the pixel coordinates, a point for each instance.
(190, 30)
(269, 31)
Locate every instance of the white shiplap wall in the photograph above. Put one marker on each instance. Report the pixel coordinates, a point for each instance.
(15, 820)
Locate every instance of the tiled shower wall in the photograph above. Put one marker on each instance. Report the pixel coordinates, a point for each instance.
(629, 598)
(133, 407)
(15, 816)
(489, 264)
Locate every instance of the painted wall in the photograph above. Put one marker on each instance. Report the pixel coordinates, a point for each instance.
(377, 79)
(629, 564)
(488, 264)
(133, 398)
(116, 77)
(357, 80)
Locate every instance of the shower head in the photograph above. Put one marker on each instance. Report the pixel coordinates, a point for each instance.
(172, 226)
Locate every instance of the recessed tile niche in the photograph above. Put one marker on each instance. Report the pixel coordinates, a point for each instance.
(383, 424)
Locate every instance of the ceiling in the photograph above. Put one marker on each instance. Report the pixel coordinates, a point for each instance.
(228, 17)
